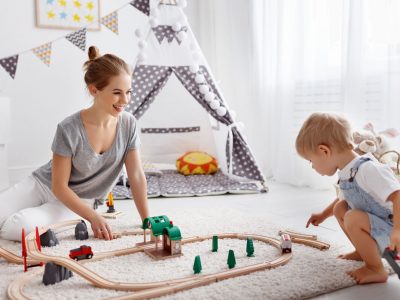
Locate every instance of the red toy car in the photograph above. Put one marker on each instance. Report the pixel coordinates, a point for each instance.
(83, 252)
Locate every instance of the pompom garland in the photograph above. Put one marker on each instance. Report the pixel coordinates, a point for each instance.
(153, 22)
(204, 89)
(214, 104)
(209, 97)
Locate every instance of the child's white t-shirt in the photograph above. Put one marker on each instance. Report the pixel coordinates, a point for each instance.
(375, 178)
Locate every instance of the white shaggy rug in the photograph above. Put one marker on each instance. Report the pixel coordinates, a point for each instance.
(309, 273)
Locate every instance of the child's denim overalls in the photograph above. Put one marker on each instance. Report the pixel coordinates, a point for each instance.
(380, 218)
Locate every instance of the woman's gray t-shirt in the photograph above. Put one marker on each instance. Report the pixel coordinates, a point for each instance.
(93, 175)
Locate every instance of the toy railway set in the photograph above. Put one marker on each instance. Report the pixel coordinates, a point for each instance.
(161, 229)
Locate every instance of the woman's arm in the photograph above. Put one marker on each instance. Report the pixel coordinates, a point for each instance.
(61, 171)
(138, 183)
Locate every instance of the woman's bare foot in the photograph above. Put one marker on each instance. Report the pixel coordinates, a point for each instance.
(365, 275)
(351, 256)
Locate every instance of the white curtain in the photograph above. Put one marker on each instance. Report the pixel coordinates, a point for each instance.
(280, 60)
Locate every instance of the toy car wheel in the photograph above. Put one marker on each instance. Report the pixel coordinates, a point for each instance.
(76, 258)
(89, 256)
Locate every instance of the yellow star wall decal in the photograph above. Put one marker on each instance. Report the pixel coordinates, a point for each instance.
(76, 17)
(68, 14)
(50, 14)
(89, 18)
(77, 4)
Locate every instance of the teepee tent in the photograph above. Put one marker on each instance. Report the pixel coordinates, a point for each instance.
(176, 98)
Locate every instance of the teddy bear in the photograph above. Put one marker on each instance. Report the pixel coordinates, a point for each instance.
(376, 143)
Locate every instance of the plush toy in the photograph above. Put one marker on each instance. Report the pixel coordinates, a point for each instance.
(369, 141)
(196, 162)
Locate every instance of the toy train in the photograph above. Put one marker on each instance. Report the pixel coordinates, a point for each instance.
(286, 243)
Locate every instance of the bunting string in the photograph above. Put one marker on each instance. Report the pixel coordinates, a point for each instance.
(77, 38)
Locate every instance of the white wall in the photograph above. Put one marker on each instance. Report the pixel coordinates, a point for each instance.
(42, 96)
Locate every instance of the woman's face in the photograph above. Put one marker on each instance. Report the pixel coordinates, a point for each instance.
(116, 95)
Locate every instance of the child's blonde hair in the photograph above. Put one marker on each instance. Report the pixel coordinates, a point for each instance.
(326, 129)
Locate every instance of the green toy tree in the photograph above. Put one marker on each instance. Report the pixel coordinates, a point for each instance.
(231, 259)
(215, 243)
(197, 265)
(250, 247)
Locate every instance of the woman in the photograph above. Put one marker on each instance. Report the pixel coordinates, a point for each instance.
(90, 148)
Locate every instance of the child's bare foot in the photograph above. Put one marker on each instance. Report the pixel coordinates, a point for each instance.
(351, 256)
(365, 275)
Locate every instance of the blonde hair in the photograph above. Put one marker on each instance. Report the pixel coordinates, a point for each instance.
(326, 129)
(100, 68)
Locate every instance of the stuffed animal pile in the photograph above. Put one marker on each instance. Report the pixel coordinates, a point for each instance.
(379, 144)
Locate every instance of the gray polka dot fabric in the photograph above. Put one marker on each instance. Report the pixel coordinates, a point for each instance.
(10, 64)
(170, 130)
(142, 5)
(173, 184)
(165, 31)
(243, 162)
(147, 82)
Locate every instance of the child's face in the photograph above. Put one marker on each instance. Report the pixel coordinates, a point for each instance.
(116, 95)
(322, 161)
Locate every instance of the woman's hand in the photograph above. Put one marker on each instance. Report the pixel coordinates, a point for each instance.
(100, 227)
(316, 219)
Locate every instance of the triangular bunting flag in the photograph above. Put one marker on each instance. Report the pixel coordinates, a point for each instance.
(10, 64)
(78, 38)
(142, 5)
(43, 52)
(111, 22)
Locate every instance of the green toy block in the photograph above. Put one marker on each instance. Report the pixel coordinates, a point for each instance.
(231, 259)
(197, 265)
(215, 243)
(250, 247)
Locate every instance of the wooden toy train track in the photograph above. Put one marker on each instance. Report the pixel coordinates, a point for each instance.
(150, 289)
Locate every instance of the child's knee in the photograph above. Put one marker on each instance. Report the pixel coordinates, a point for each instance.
(340, 209)
(352, 219)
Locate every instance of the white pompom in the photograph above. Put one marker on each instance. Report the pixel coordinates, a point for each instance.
(141, 57)
(182, 3)
(233, 114)
(138, 33)
(240, 126)
(204, 89)
(194, 68)
(155, 12)
(196, 56)
(182, 35)
(209, 97)
(142, 44)
(176, 26)
(214, 104)
(153, 22)
(221, 111)
(199, 78)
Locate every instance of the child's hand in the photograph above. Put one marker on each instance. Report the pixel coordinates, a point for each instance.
(395, 240)
(315, 219)
(101, 229)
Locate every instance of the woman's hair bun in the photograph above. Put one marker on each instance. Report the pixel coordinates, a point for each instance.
(93, 52)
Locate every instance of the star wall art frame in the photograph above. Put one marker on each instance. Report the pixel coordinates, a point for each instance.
(68, 14)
